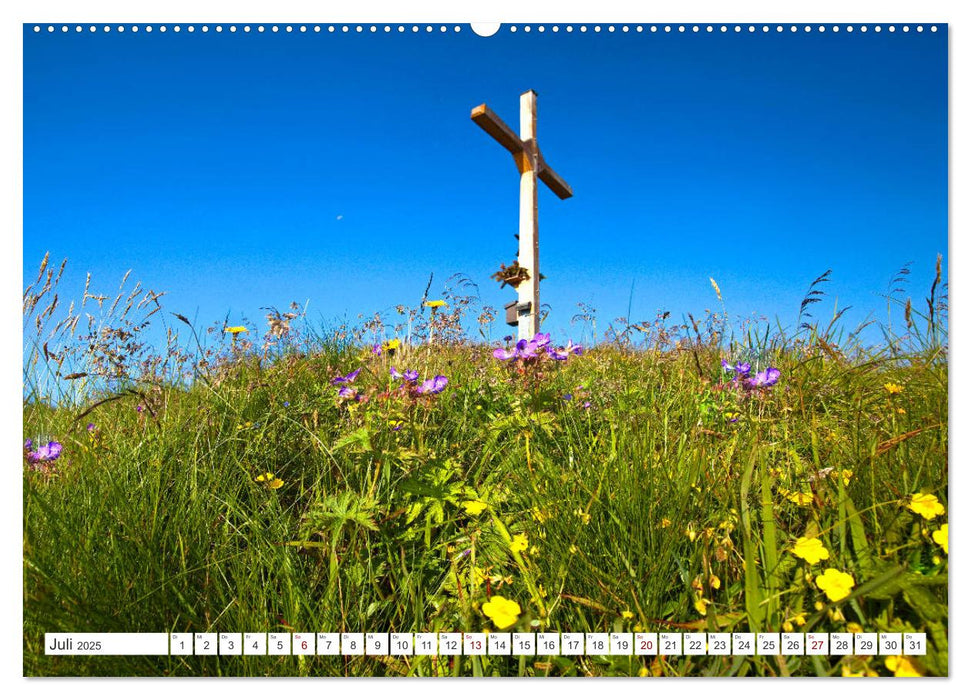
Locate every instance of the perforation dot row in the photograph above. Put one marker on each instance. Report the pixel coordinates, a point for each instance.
(346, 29)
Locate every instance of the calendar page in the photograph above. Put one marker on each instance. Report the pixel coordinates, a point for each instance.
(437, 349)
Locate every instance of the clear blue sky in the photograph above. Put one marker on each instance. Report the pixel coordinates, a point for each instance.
(237, 171)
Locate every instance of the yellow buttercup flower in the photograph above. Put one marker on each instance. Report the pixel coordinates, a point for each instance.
(714, 582)
(643, 672)
(665, 522)
(234, 330)
(893, 389)
(800, 498)
(835, 584)
(627, 615)
(854, 628)
(787, 626)
(901, 667)
(392, 344)
(474, 507)
(940, 536)
(503, 612)
(701, 605)
(435, 304)
(519, 544)
(269, 480)
(926, 505)
(810, 549)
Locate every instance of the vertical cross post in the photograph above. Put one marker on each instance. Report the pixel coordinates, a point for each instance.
(531, 165)
(528, 256)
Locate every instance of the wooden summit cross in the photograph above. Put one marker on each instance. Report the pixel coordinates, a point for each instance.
(529, 161)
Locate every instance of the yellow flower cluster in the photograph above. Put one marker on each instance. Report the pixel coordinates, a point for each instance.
(270, 481)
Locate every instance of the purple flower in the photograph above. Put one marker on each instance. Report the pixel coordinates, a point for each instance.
(139, 408)
(503, 354)
(586, 404)
(558, 355)
(527, 349)
(411, 375)
(433, 386)
(286, 404)
(541, 340)
(507, 338)
(350, 377)
(395, 374)
(765, 378)
(567, 397)
(739, 368)
(45, 453)
(91, 427)
(376, 349)
(28, 443)
(347, 392)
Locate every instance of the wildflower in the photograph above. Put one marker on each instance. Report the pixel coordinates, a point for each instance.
(901, 667)
(376, 349)
(847, 672)
(474, 507)
(665, 522)
(800, 498)
(502, 611)
(433, 386)
(586, 404)
(91, 427)
(45, 453)
(690, 532)
(347, 392)
(395, 374)
(732, 416)
(714, 582)
(835, 584)
(235, 330)
(539, 515)
(139, 408)
(810, 549)
(519, 544)
(396, 424)
(765, 378)
(799, 619)
(410, 375)
(893, 389)
(503, 354)
(854, 628)
(701, 605)
(787, 626)
(507, 338)
(583, 515)
(28, 443)
(940, 536)
(643, 672)
(349, 377)
(574, 549)
(391, 346)
(270, 481)
(902, 412)
(627, 615)
(926, 505)
(435, 304)
(286, 404)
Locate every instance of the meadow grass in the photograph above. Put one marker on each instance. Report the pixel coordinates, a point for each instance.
(634, 487)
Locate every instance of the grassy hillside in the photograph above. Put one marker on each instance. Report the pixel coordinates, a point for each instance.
(635, 486)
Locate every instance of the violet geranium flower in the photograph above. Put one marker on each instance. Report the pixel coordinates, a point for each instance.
(395, 374)
(347, 392)
(503, 354)
(433, 386)
(45, 453)
(349, 377)
(765, 378)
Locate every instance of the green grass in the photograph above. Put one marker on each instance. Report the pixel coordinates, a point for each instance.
(634, 508)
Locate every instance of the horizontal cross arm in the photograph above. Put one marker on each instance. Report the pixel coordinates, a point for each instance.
(553, 181)
(497, 129)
